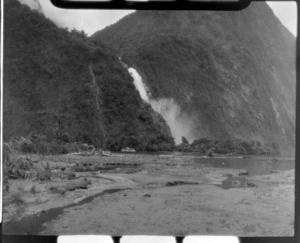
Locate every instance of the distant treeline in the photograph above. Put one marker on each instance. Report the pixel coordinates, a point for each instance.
(228, 146)
(36, 143)
(51, 99)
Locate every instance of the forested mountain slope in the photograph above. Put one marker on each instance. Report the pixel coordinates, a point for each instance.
(62, 85)
(232, 73)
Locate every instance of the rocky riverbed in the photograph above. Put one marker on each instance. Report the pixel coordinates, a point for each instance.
(149, 194)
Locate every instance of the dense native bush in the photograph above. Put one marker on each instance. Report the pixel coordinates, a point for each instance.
(141, 143)
(14, 164)
(71, 89)
(21, 162)
(216, 71)
(36, 143)
(229, 146)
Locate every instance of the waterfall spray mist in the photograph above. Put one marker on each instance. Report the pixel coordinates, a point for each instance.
(179, 123)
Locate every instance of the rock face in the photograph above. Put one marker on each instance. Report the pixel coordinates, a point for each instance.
(232, 73)
(63, 85)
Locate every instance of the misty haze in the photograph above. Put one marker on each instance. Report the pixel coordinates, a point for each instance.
(163, 123)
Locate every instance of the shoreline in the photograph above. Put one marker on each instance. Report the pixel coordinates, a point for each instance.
(148, 182)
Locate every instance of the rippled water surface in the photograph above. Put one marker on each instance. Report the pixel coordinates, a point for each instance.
(255, 165)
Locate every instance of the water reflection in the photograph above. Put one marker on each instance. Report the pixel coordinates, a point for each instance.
(255, 166)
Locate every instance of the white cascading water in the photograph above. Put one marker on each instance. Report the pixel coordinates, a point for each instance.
(96, 88)
(139, 84)
(179, 123)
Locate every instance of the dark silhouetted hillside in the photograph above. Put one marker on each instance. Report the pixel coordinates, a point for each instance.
(49, 88)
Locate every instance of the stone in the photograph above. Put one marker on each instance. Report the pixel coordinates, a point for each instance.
(243, 173)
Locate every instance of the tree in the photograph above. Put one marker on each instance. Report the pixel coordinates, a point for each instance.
(184, 140)
(275, 147)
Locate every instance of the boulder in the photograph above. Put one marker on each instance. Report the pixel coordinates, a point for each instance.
(243, 173)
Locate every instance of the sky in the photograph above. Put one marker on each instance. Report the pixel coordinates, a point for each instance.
(91, 21)
(287, 13)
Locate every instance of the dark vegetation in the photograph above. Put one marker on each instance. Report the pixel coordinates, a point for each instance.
(228, 147)
(25, 158)
(223, 79)
(49, 91)
(18, 163)
(232, 73)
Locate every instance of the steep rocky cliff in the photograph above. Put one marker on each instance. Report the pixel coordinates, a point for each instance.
(62, 85)
(231, 73)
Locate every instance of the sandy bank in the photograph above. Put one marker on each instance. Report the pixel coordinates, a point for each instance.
(153, 194)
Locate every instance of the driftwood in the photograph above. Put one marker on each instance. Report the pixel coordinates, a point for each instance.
(104, 153)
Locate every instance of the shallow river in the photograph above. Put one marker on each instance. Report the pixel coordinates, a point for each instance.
(256, 165)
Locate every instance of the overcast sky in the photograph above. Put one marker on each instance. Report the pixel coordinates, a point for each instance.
(287, 13)
(92, 20)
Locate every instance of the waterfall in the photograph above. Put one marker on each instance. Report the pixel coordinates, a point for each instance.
(96, 89)
(139, 85)
(179, 123)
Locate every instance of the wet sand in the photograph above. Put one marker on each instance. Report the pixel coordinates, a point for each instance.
(153, 195)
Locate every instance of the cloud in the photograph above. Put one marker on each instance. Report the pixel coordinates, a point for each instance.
(33, 4)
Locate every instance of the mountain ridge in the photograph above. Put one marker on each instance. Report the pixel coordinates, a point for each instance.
(49, 88)
(232, 73)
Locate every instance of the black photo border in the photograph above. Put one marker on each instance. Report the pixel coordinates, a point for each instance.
(222, 5)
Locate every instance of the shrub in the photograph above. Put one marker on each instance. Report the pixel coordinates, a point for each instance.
(237, 146)
(38, 144)
(43, 173)
(72, 147)
(184, 140)
(18, 166)
(57, 148)
(27, 145)
(21, 144)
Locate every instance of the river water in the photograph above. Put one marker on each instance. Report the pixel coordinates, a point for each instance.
(255, 165)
